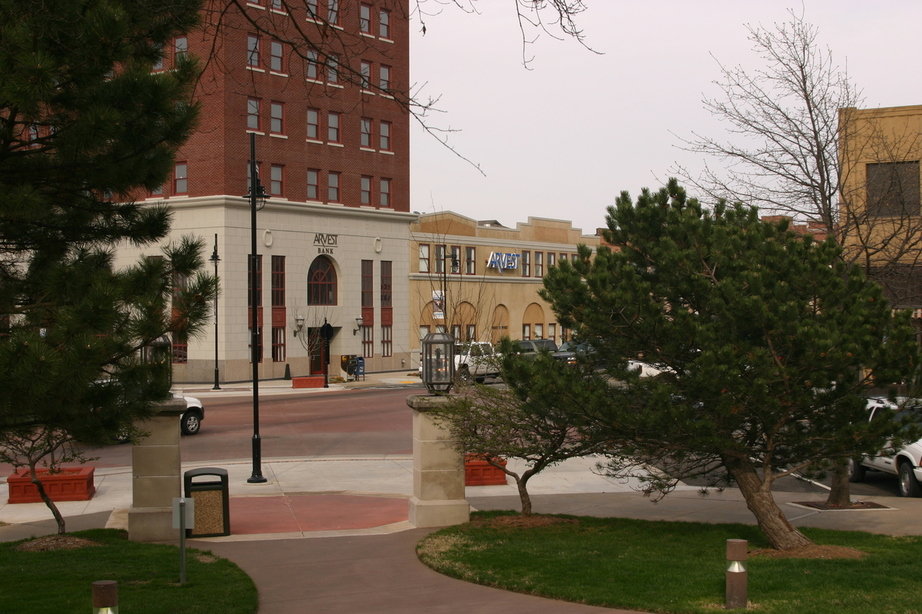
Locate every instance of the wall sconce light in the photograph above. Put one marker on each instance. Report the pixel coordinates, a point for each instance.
(299, 324)
(358, 324)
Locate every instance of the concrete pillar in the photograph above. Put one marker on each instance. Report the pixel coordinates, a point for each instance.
(156, 479)
(438, 469)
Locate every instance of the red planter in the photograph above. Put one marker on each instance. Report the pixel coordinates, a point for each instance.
(307, 381)
(478, 472)
(68, 484)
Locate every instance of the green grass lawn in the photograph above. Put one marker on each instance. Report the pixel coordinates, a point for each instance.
(677, 567)
(59, 581)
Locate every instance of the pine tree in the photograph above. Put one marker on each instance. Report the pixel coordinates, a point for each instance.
(768, 343)
(85, 123)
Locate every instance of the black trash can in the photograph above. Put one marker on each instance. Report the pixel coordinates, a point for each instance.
(212, 501)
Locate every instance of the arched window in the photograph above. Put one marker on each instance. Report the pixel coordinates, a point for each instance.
(321, 282)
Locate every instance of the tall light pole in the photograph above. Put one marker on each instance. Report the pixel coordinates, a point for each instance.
(256, 196)
(215, 260)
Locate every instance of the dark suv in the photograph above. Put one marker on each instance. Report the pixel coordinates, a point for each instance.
(531, 347)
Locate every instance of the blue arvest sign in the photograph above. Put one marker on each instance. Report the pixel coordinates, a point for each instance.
(503, 261)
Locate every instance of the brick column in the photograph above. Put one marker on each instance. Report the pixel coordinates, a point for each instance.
(438, 469)
(156, 479)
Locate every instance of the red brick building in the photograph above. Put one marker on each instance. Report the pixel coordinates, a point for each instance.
(322, 85)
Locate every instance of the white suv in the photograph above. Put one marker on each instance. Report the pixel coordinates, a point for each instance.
(903, 463)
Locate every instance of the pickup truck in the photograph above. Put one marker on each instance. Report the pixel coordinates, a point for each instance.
(905, 462)
(476, 360)
(531, 347)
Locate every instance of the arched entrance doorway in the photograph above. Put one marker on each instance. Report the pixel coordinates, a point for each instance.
(322, 291)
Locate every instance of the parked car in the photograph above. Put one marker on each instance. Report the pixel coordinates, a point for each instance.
(190, 422)
(903, 463)
(531, 347)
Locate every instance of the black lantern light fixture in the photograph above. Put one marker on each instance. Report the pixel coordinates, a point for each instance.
(438, 362)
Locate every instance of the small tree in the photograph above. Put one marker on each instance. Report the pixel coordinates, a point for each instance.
(531, 417)
(769, 343)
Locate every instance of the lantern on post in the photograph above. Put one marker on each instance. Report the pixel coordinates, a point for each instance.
(438, 362)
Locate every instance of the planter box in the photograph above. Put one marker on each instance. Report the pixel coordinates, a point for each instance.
(478, 472)
(307, 381)
(68, 484)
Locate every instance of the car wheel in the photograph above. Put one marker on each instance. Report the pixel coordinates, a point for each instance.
(191, 422)
(909, 486)
(856, 471)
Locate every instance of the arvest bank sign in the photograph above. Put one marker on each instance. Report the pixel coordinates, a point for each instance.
(503, 261)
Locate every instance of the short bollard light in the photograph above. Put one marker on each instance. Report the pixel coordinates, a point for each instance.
(737, 576)
(105, 597)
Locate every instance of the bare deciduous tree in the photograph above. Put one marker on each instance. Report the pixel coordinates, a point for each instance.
(797, 148)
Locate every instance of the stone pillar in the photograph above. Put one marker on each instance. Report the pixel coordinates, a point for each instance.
(438, 469)
(156, 479)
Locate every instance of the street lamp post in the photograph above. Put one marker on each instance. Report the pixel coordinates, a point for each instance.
(215, 260)
(257, 197)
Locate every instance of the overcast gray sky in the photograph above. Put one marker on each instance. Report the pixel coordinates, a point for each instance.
(563, 139)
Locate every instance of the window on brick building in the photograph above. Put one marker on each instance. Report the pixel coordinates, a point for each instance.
(313, 184)
(180, 178)
(252, 113)
(311, 9)
(365, 190)
(365, 132)
(455, 259)
(276, 118)
(365, 19)
(321, 282)
(311, 67)
(384, 77)
(384, 24)
(333, 69)
(384, 136)
(333, 12)
(539, 264)
(333, 127)
(893, 189)
(276, 174)
(365, 74)
(526, 267)
(470, 260)
(387, 341)
(252, 50)
(313, 124)
(551, 259)
(333, 187)
(278, 300)
(255, 291)
(276, 57)
(180, 47)
(384, 192)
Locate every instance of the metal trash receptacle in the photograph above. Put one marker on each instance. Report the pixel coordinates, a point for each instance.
(212, 501)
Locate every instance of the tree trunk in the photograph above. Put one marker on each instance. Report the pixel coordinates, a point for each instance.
(840, 493)
(771, 520)
(59, 519)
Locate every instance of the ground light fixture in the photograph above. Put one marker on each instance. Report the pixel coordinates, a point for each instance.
(215, 259)
(105, 597)
(438, 362)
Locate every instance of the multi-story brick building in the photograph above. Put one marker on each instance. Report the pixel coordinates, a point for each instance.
(322, 86)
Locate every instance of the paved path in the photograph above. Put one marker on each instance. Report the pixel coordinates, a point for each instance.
(330, 534)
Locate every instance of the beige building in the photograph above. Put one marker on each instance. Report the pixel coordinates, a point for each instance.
(880, 216)
(479, 280)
